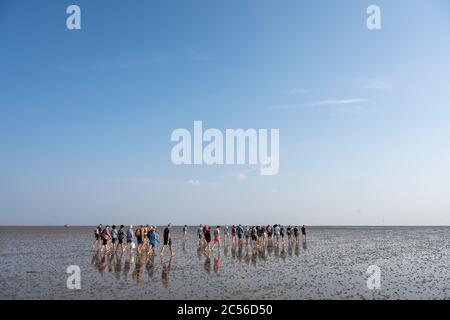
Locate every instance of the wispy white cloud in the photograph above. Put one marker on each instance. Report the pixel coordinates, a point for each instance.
(372, 84)
(145, 181)
(240, 177)
(247, 172)
(323, 103)
(338, 102)
(195, 183)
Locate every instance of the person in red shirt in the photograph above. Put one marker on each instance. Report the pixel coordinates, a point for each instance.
(106, 236)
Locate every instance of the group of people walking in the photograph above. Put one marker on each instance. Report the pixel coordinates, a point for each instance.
(255, 235)
(145, 238)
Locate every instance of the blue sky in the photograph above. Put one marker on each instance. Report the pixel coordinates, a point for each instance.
(86, 115)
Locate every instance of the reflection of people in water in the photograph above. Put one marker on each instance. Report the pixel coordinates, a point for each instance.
(290, 248)
(254, 257)
(165, 272)
(225, 248)
(239, 252)
(247, 255)
(199, 251)
(233, 249)
(247, 234)
(297, 249)
(150, 266)
(138, 269)
(95, 257)
(118, 265)
(184, 247)
(262, 244)
(276, 251)
(217, 264)
(207, 264)
(283, 252)
(103, 265)
(262, 254)
(127, 265)
(100, 261)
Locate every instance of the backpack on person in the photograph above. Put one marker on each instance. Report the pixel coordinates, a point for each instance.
(105, 234)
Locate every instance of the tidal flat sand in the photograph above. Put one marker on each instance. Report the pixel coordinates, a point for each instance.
(331, 264)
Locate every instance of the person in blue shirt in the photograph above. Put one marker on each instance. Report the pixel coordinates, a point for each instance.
(282, 233)
(240, 232)
(153, 239)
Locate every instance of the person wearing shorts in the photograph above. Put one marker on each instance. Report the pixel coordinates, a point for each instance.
(233, 234)
(253, 234)
(144, 232)
(259, 235)
(296, 233)
(139, 237)
(121, 237)
(106, 235)
(247, 234)
(114, 235)
(153, 239)
(130, 236)
(277, 232)
(216, 239)
(207, 238)
(184, 232)
(97, 234)
(226, 233)
(240, 232)
(167, 237)
(269, 232)
(282, 233)
(200, 234)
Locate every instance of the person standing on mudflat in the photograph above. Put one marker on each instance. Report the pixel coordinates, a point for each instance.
(167, 237)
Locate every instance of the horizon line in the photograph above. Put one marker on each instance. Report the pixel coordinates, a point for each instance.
(196, 225)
